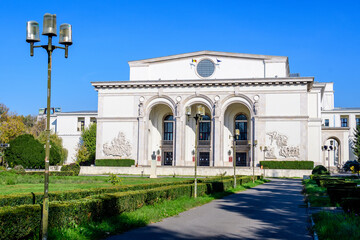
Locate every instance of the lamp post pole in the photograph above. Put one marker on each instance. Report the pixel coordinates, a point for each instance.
(200, 111)
(237, 133)
(32, 36)
(196, 153)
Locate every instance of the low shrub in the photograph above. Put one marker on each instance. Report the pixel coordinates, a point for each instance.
(115, 180)
(73, 167)
(351, 204)
(347, 166)
(320, 170)
(19, 169)
(21, 221)
(115, 162)
(41, 173)
(287, 164)
(36, 198)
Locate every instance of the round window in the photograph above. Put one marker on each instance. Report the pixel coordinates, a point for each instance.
(205, 68)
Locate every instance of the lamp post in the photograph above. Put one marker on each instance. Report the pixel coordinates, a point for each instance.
(65, 38)
(200, 112)
(237, 133)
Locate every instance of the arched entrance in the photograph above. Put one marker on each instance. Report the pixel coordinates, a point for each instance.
(332, 149)
(204, 156)
(237, 117)
(161, 134)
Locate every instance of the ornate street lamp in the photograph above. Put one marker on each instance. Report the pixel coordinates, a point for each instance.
(237, 133)
(200, 112)
(65, 38)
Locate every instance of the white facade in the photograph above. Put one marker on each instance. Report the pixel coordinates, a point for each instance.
(280, 117)
(68, 126)
(283, 114)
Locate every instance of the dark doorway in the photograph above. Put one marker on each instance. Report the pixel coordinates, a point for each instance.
(241, 159)
(204, 158)
(168, 158)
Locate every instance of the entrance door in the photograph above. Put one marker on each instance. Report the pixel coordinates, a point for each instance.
(241, 159)
(204, 158)
(168, 158)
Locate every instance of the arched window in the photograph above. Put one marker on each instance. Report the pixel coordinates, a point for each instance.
(168, 127)
(205, 128)
(241, 124)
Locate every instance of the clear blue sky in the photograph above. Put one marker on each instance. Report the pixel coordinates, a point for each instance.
(321, 39)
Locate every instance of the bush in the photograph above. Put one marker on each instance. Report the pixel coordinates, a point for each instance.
(41, 173)
(287, 164)
(25, 150)
(18, 169)
(21, 221)
(320, 170)
(350, 164)
(36, 198)
(73, 167)
(115, 162)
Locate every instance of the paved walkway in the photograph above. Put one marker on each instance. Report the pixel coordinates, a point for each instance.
(270, 211)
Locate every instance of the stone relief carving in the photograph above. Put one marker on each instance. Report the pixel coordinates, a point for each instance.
(280, 139)
(281, 144)
(119, 147)
(289, 152)
(270, 153)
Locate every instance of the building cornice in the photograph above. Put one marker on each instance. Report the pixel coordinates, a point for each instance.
(342, 110)
(207, 53)
(323, 128)
(204, 83)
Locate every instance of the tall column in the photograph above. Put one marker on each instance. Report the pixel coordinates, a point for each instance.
(179, 158)
(142, 146)
(217, 138)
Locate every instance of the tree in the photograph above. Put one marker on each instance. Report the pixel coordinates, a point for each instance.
(10, 128)
(87, 146)
(3, 112)
(56, 145)
(25, 150)
(356, 142)
(38, 128)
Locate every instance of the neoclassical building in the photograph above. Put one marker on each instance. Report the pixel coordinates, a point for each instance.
(276, 115)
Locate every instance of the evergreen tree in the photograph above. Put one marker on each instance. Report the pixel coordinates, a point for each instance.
(356, 142)
(87, 147)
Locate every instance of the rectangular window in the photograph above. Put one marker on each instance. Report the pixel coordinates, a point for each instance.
(344, 121)
(80, 124)
(357, 121)
(93, 120)
(327, 122)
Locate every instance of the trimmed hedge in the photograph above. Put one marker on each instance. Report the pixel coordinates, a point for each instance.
(115, 162)
(21, 221)
(41, 173)
(287, 164)
(72, 167)
(36, 198)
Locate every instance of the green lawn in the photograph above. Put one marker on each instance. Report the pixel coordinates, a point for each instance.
(12, 183)
(333, 226)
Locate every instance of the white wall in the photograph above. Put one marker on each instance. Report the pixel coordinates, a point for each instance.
(229, 67)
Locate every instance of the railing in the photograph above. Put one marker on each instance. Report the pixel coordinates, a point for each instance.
(242, 142)
(204, 142)
(167, 142)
